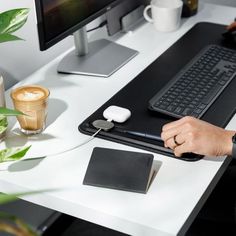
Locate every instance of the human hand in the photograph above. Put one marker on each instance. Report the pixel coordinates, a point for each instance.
(193, 135)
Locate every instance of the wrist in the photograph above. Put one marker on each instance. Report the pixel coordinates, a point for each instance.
(234, 146)
(228, 143)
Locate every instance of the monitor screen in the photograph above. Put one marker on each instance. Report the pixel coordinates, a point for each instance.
(59, 18)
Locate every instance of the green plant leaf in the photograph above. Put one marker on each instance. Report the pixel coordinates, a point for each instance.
(6, 198)
(4, 215)
(3, 123)
(25, 228)
(8, 37)
(13, 225)
(13, 154)
(12, 20)
(3, 129)
(9, 112)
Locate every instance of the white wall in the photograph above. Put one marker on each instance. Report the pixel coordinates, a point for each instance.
(21, 58)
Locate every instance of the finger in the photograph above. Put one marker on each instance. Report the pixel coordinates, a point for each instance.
(174, 124)
(179, 150)
(170, 143)
(170, 133)
(180, 138)
(186, 124)
(171, 125)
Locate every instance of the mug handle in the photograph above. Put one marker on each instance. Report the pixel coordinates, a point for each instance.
(145, 14)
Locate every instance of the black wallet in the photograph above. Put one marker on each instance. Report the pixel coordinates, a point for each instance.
(119, 169)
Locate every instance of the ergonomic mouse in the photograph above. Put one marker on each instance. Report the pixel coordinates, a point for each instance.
(230, 36)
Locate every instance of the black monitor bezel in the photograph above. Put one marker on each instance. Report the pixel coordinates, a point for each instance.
(43, 44)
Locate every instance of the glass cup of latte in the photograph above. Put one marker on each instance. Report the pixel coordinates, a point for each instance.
(32, 100)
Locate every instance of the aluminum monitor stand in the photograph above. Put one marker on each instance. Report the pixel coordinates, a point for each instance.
(98, 58)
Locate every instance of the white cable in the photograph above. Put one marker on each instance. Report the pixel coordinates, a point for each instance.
(70, 149)
(78, 145)
(81, 144)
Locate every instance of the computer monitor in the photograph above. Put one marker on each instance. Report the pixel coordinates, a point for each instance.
(58, 19)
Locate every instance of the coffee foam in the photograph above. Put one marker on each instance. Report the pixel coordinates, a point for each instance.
(30, 93)
(30, 96)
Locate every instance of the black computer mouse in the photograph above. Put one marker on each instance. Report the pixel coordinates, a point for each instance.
(230, 36)
(189, 156)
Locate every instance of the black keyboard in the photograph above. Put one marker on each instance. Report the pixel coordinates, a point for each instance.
(192, 91)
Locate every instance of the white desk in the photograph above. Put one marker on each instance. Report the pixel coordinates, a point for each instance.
(178, 186)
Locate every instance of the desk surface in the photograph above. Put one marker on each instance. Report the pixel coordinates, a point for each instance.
(179, 188)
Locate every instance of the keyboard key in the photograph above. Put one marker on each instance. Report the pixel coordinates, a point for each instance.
(211, 94)
(170, 108)
(178, 110)
(201, 106)
(187, 111)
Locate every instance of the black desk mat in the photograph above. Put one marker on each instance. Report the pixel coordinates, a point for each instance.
(136, 94)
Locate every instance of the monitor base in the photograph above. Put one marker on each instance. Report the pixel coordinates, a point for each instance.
(104, 58)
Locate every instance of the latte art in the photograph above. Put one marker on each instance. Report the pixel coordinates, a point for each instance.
(30, 93)
(32, 100)
(29, 96)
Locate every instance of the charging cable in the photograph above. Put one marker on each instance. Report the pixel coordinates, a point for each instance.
(112, 113)
(77, 146)
(97, 27)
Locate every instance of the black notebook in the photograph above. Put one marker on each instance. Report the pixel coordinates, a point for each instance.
(118, 169)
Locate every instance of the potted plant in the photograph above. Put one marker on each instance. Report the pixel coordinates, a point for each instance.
(11, 21)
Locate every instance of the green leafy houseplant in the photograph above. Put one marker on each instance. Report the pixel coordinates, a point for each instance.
(8, 223)
(5, 112)
(10, 154)
(11, 21)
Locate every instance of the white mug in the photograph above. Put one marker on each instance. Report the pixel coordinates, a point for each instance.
(165, 14)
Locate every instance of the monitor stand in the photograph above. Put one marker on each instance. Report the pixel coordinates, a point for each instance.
(97, 58)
